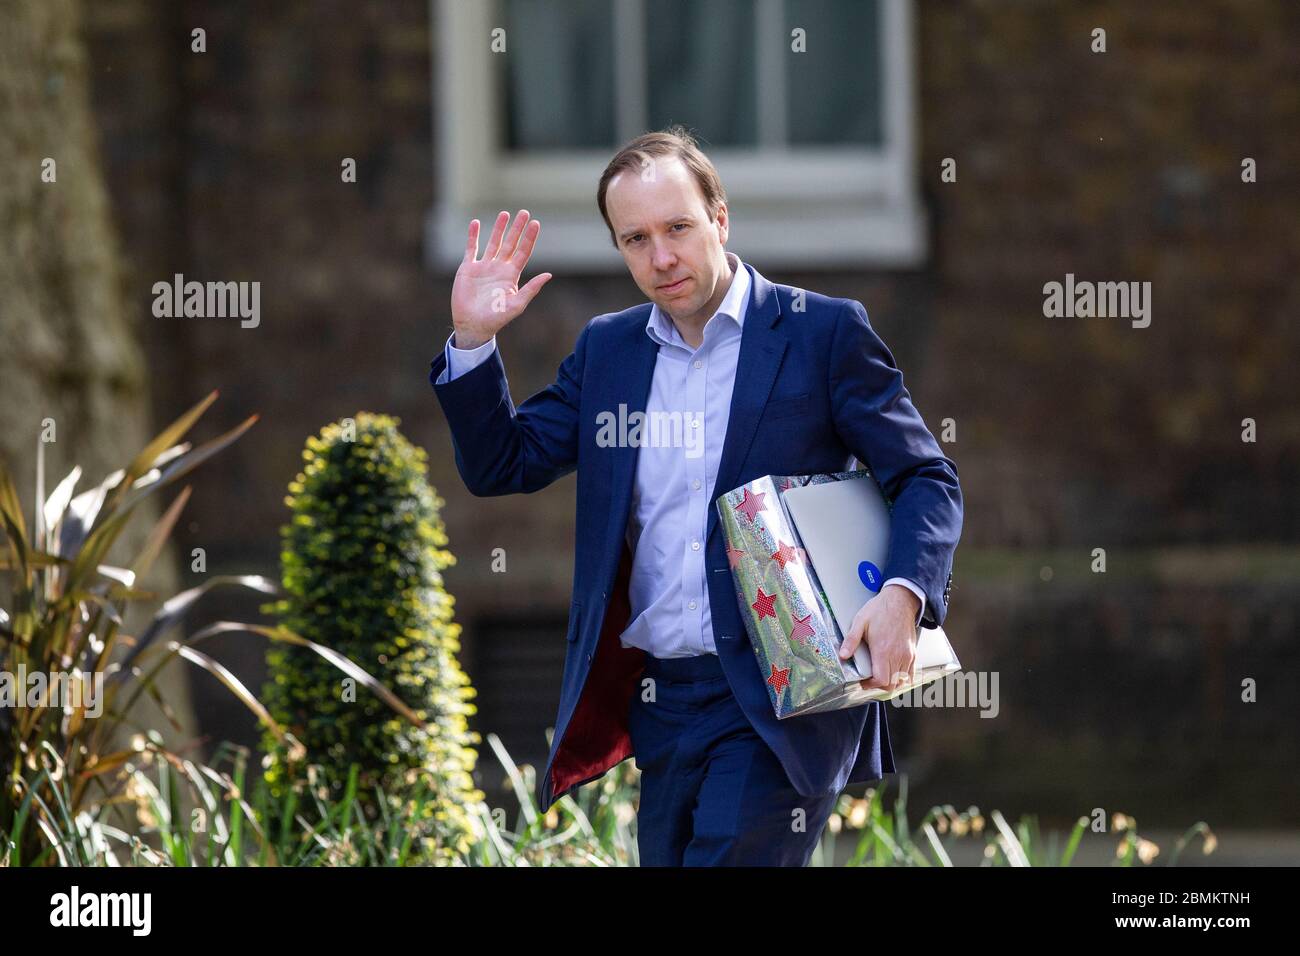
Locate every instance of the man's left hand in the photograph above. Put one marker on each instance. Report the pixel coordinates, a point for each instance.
(888, 624)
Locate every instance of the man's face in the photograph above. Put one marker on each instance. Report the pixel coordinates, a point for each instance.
(673, 251)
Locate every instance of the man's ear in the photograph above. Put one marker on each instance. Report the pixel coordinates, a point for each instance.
(721, 219)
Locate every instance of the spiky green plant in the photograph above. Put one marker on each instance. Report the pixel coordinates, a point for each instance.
(361, 567)
(62, 613)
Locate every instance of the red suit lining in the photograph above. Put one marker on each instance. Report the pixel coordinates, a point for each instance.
(597, 737)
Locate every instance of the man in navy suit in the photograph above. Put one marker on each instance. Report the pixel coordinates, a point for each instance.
(737, 377)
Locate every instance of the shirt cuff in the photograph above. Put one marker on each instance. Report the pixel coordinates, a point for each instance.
(915, 589)
(460, 361)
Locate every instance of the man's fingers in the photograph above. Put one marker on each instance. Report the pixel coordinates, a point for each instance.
(525, 250)
(901, 675)
(471, 244)
(881, 679)
(512, 237)
(873, 682)
(498, 230)
(879, 673)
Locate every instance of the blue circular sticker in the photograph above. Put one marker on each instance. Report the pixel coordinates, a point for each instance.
(870, 575)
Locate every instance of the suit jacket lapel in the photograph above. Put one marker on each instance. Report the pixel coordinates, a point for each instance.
(630, 386)
(762, 347)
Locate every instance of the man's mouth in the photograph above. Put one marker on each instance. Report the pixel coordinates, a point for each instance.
(675, 287)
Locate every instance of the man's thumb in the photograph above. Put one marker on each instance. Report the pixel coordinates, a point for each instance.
(851, 641)
(533, 286)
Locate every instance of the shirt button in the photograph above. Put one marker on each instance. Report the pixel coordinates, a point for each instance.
(695, 546)
(695, 423)
(691, 605)
(699, 364)
(696, 484)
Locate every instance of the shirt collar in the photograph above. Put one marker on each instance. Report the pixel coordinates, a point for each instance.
(734, 305)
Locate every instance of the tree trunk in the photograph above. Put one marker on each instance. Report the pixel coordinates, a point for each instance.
(68, 352)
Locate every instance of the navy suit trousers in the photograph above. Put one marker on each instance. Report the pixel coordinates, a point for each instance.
(712, 791)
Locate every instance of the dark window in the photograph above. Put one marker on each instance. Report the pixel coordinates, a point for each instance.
(706, 65)
(516, 664)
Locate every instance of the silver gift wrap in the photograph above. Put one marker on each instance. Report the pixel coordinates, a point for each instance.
(787, 616)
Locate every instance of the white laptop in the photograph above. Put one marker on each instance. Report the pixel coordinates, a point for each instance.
(844, 528)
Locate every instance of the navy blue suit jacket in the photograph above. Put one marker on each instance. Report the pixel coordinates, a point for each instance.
(814, 385)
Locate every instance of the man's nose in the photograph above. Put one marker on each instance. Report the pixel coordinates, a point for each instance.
(664, 257)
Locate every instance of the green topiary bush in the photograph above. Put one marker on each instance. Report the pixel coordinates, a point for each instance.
(361, 567)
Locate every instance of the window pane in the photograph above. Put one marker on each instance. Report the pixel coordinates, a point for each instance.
(834, 89)
(559, 74)
(517, 666)
(700, 68)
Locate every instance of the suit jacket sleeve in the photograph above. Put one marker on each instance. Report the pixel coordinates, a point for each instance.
(876, 419)
(501, 449)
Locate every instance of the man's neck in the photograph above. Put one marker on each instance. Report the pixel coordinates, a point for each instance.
(692, 329)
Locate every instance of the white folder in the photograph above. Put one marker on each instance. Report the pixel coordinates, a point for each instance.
(844, 529)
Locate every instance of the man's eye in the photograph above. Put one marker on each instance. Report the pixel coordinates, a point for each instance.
(679, 224)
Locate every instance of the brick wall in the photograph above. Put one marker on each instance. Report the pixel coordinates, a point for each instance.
(1072, 433)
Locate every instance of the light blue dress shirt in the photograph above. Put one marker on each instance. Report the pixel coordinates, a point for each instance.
(681, 441)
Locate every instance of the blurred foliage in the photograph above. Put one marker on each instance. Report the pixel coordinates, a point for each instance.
(70, 756)
(63, 626)
(593, 826)
(361, 571)
(596, 825)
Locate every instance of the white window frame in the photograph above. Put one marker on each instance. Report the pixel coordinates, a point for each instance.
(825, 206)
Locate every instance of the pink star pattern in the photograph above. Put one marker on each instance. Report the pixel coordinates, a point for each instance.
(784, 553)
(801, 630)
(779, 678)
(764, 605)
(733, 557)
(751, 504)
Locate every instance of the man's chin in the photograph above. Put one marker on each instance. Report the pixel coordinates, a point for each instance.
(678, 307)
(677, 314)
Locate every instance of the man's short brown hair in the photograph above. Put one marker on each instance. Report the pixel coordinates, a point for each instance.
(673, 141)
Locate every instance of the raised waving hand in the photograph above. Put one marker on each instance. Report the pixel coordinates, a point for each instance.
(486, 295)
